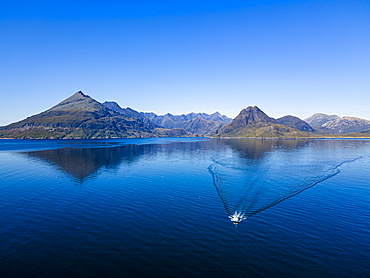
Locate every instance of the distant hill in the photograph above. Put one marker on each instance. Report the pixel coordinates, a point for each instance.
(295, 122)
(333, 124)
(347, 124)
(253, 122)
(318, 119)
(78, 116)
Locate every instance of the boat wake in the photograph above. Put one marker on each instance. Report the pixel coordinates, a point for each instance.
(246, 189)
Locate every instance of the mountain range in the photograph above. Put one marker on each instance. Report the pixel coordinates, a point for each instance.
(337, 125)
(80, 116)
(194, 123)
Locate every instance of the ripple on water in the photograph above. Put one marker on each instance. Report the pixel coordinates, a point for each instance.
(153, 210)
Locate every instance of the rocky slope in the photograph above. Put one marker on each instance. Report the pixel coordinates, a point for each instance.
(347, 124)
(199, 126)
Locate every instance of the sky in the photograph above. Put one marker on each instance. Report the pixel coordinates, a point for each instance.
(286, 57)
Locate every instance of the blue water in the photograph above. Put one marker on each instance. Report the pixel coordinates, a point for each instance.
(164, 208)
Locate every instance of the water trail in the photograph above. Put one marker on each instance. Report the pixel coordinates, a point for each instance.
(248, 189)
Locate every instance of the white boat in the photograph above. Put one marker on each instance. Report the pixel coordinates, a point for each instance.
(237, 217)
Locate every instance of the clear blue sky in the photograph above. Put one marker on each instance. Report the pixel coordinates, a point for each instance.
(287, 57)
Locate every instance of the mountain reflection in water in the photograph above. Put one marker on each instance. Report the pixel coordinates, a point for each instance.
(82, 163)
(249, 175)
(156, 207)
(269, 172)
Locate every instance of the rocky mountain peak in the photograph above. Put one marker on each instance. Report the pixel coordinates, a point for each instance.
(112, 105)
(252, 115)
(81, 93)
(253, 122)
(78, 102)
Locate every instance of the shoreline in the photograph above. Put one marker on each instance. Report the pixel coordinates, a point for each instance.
(252, 138)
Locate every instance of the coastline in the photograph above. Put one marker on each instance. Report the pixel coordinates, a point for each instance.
(235, 137)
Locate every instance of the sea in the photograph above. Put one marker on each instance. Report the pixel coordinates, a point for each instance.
(185, 207)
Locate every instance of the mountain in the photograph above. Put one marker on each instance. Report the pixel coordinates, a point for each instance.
(248, 117)
(129, 112)
(295, 122)
(195, 123)
(215, 117)
(82, 117)
(347, 124)
(201, 126)
(78, 116)
(168, 119)
(253, 122)
(318, 119)
(333, 124)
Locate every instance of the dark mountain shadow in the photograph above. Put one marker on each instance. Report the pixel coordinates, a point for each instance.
(82, 163)
(257, 149)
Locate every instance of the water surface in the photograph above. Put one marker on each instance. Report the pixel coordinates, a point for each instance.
(166, 207)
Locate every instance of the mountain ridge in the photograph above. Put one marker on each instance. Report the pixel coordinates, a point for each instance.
(295, 122)
(82, 117)
(318, 119)
(347, 125)
(335, 124)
